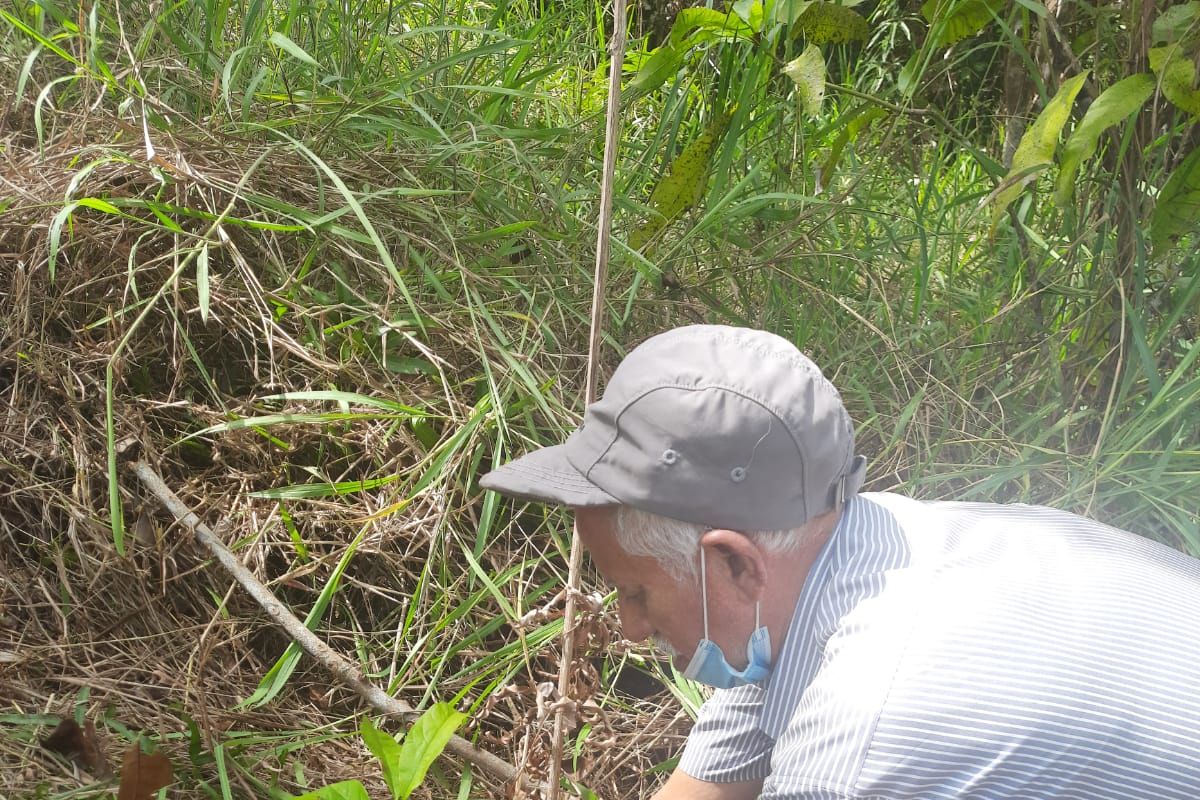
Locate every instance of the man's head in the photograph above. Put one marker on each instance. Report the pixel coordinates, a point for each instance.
(706, 435)
(654, 562)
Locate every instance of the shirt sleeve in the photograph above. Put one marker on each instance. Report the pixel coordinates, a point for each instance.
(726, 744)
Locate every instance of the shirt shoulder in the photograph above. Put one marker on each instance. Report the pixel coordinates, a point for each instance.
(726, 743)
(1023, 651)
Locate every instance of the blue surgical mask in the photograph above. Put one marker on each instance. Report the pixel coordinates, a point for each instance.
(708, 664)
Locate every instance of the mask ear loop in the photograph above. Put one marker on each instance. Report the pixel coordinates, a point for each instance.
(704, 589)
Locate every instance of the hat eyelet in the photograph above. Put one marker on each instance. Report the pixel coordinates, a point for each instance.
(669, 457)
(737, 474)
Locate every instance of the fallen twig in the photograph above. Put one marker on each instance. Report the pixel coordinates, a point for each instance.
(344, 670)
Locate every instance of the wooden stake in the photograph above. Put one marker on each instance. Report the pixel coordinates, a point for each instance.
(612, 135)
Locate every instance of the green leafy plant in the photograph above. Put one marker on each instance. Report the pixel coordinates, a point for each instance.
(1178, 204)
(1114, 104)
(404, 763)
(1036, 150)
(955, 20)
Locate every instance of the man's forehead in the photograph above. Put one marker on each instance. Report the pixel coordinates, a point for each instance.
(596, 521)
(597, 528)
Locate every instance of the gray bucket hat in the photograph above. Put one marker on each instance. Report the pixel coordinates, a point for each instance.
(728, 427)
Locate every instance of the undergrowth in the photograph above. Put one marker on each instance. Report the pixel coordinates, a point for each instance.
(324, 265)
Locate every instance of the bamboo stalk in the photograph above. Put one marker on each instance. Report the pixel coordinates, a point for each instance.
(342, 669)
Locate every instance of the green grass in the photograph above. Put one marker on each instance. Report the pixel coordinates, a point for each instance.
(355, 274)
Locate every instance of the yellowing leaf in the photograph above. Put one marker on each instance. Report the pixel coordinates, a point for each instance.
(826, 22)
(1177, 76)
(955, 20)
(683, 185)
(1037, 145)
(807, 71)
(1113, 105)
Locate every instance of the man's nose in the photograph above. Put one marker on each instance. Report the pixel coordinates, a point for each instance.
(634, 625)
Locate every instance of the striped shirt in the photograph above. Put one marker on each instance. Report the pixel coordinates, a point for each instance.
(968, 650)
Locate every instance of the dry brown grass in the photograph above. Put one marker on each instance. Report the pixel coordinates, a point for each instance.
(160, 640)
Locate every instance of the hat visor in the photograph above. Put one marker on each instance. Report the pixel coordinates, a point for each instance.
(547, 476)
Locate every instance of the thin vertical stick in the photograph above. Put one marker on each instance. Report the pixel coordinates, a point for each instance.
(612, 133)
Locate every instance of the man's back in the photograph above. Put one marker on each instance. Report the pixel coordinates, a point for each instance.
(976, 651)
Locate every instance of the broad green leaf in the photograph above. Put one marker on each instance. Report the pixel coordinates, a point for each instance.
(267, 420)
(656, 70)
(750, 12)
(692, 26)
(408, 365)
(501, 231)
(955, 20)
(387, 750)
(202, 292)
(424, 743)
(343, 790)
(1113, 105)
(698, 25)
(683, 185)
(1176, 23)
(822, 23)
(291, 48)
(1037, 145)
(1177, 75)
(807, 71)
(1177, 209)
(350, 397)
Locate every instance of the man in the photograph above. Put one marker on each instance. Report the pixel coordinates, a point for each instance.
(867, 645)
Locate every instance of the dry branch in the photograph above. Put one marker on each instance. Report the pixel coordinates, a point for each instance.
(342, 669)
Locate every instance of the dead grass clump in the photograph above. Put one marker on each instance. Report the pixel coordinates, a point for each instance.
(158, 639)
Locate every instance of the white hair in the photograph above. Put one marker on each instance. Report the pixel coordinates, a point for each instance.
(674, 543)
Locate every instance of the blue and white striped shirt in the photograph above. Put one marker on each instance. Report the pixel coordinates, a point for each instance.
(963, 650)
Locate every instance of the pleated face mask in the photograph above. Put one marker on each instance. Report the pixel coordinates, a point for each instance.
(709, 665)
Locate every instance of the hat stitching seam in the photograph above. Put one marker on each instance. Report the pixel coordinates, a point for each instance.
(844, 417)
(617, 427)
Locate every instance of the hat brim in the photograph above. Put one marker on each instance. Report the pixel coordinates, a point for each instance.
(546, 476)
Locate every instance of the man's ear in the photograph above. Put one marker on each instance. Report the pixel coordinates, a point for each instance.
(735, 559)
